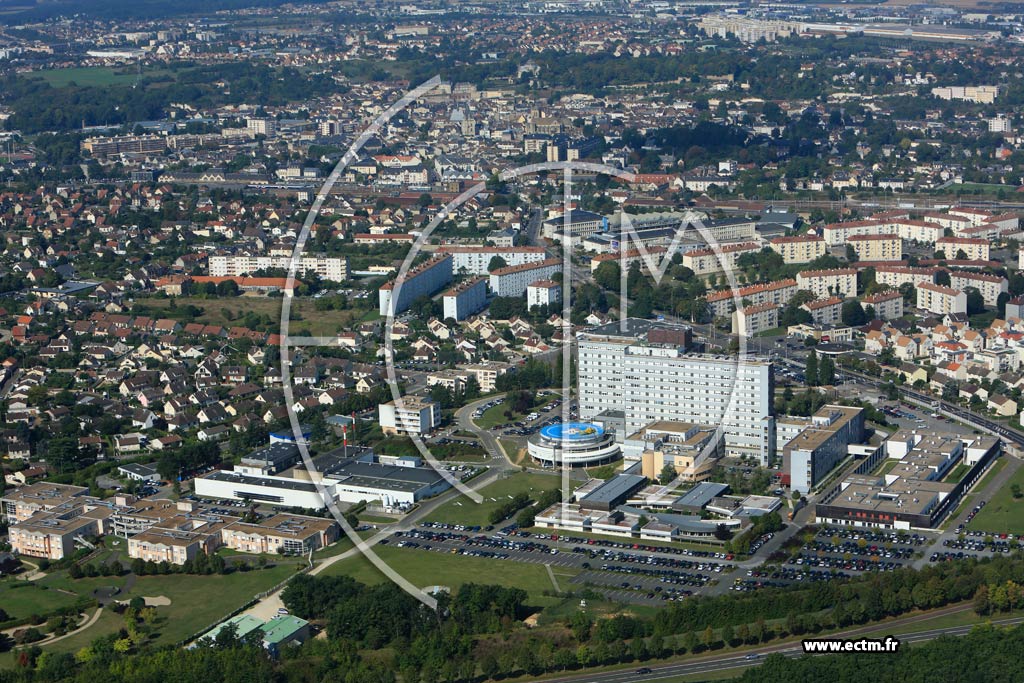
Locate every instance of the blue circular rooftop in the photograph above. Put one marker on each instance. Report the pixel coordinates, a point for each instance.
(572, 431)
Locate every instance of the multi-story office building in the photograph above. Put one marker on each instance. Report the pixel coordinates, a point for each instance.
(646, 373)
(331, 268)
(821, 445)
(423, 280)
(476, 260)
(798, 248)
(513, 280)
(465, 299)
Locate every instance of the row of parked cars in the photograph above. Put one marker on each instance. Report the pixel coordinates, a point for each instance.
(872, 536)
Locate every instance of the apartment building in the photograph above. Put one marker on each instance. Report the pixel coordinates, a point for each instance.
(778, 292)
(825, 311)
(923, 232)
(836, 234)
(476, 260)
(646, 373)
(331, 268)
(798, 248)
(465, 299)
(410, 415)
(752, 320)
(941, 300)
(888, 305)
(897, 276)
(513, 280)
(972, 248)
(543, 293)
(718, 260)
(424, 280)
(990, 286)
(883, 247)
(826, 283)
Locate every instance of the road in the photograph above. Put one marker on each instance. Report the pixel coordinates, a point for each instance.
(709, 664)
(464, 420)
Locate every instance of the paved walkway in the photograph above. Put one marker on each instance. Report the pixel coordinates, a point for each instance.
(554, 581)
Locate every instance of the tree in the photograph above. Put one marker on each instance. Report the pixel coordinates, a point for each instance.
(668, 474)
(811, 373)
(495, 263)
(851, 253)
(853, 313)
(975, 301)
(827, 371)
(942, 278)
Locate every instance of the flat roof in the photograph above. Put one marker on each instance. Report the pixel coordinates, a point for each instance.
(701, 494)
(281, 628)
(616, 487)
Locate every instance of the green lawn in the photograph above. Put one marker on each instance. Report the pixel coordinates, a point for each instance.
(461, 510)
(20, 598)
(957, 474)
(427, 568)
(1003, 513)
(226, 311)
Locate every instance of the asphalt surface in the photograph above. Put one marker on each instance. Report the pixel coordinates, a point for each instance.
(725, 662)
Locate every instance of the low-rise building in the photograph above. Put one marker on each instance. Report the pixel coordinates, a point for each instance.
(543, 293)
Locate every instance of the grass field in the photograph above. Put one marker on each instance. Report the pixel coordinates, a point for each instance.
(1003, 513)
(512, 449)
(303, 318)
(20, 598)
(428, 568)
(461, 510)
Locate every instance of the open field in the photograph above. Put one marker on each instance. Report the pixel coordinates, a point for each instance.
(462, 510)
(428, 568)
(228, 311)
(1003, 513)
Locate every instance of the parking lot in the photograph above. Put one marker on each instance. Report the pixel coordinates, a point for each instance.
(655, 573)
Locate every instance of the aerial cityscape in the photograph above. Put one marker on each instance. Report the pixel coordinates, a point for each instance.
(448, 341)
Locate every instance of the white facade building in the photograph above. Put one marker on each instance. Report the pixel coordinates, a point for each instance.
(513, 280)
(327, 267)
(465, 299)
(475, 260)
(660, 381)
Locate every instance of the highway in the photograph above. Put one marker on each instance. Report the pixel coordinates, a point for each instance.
(715, 664)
